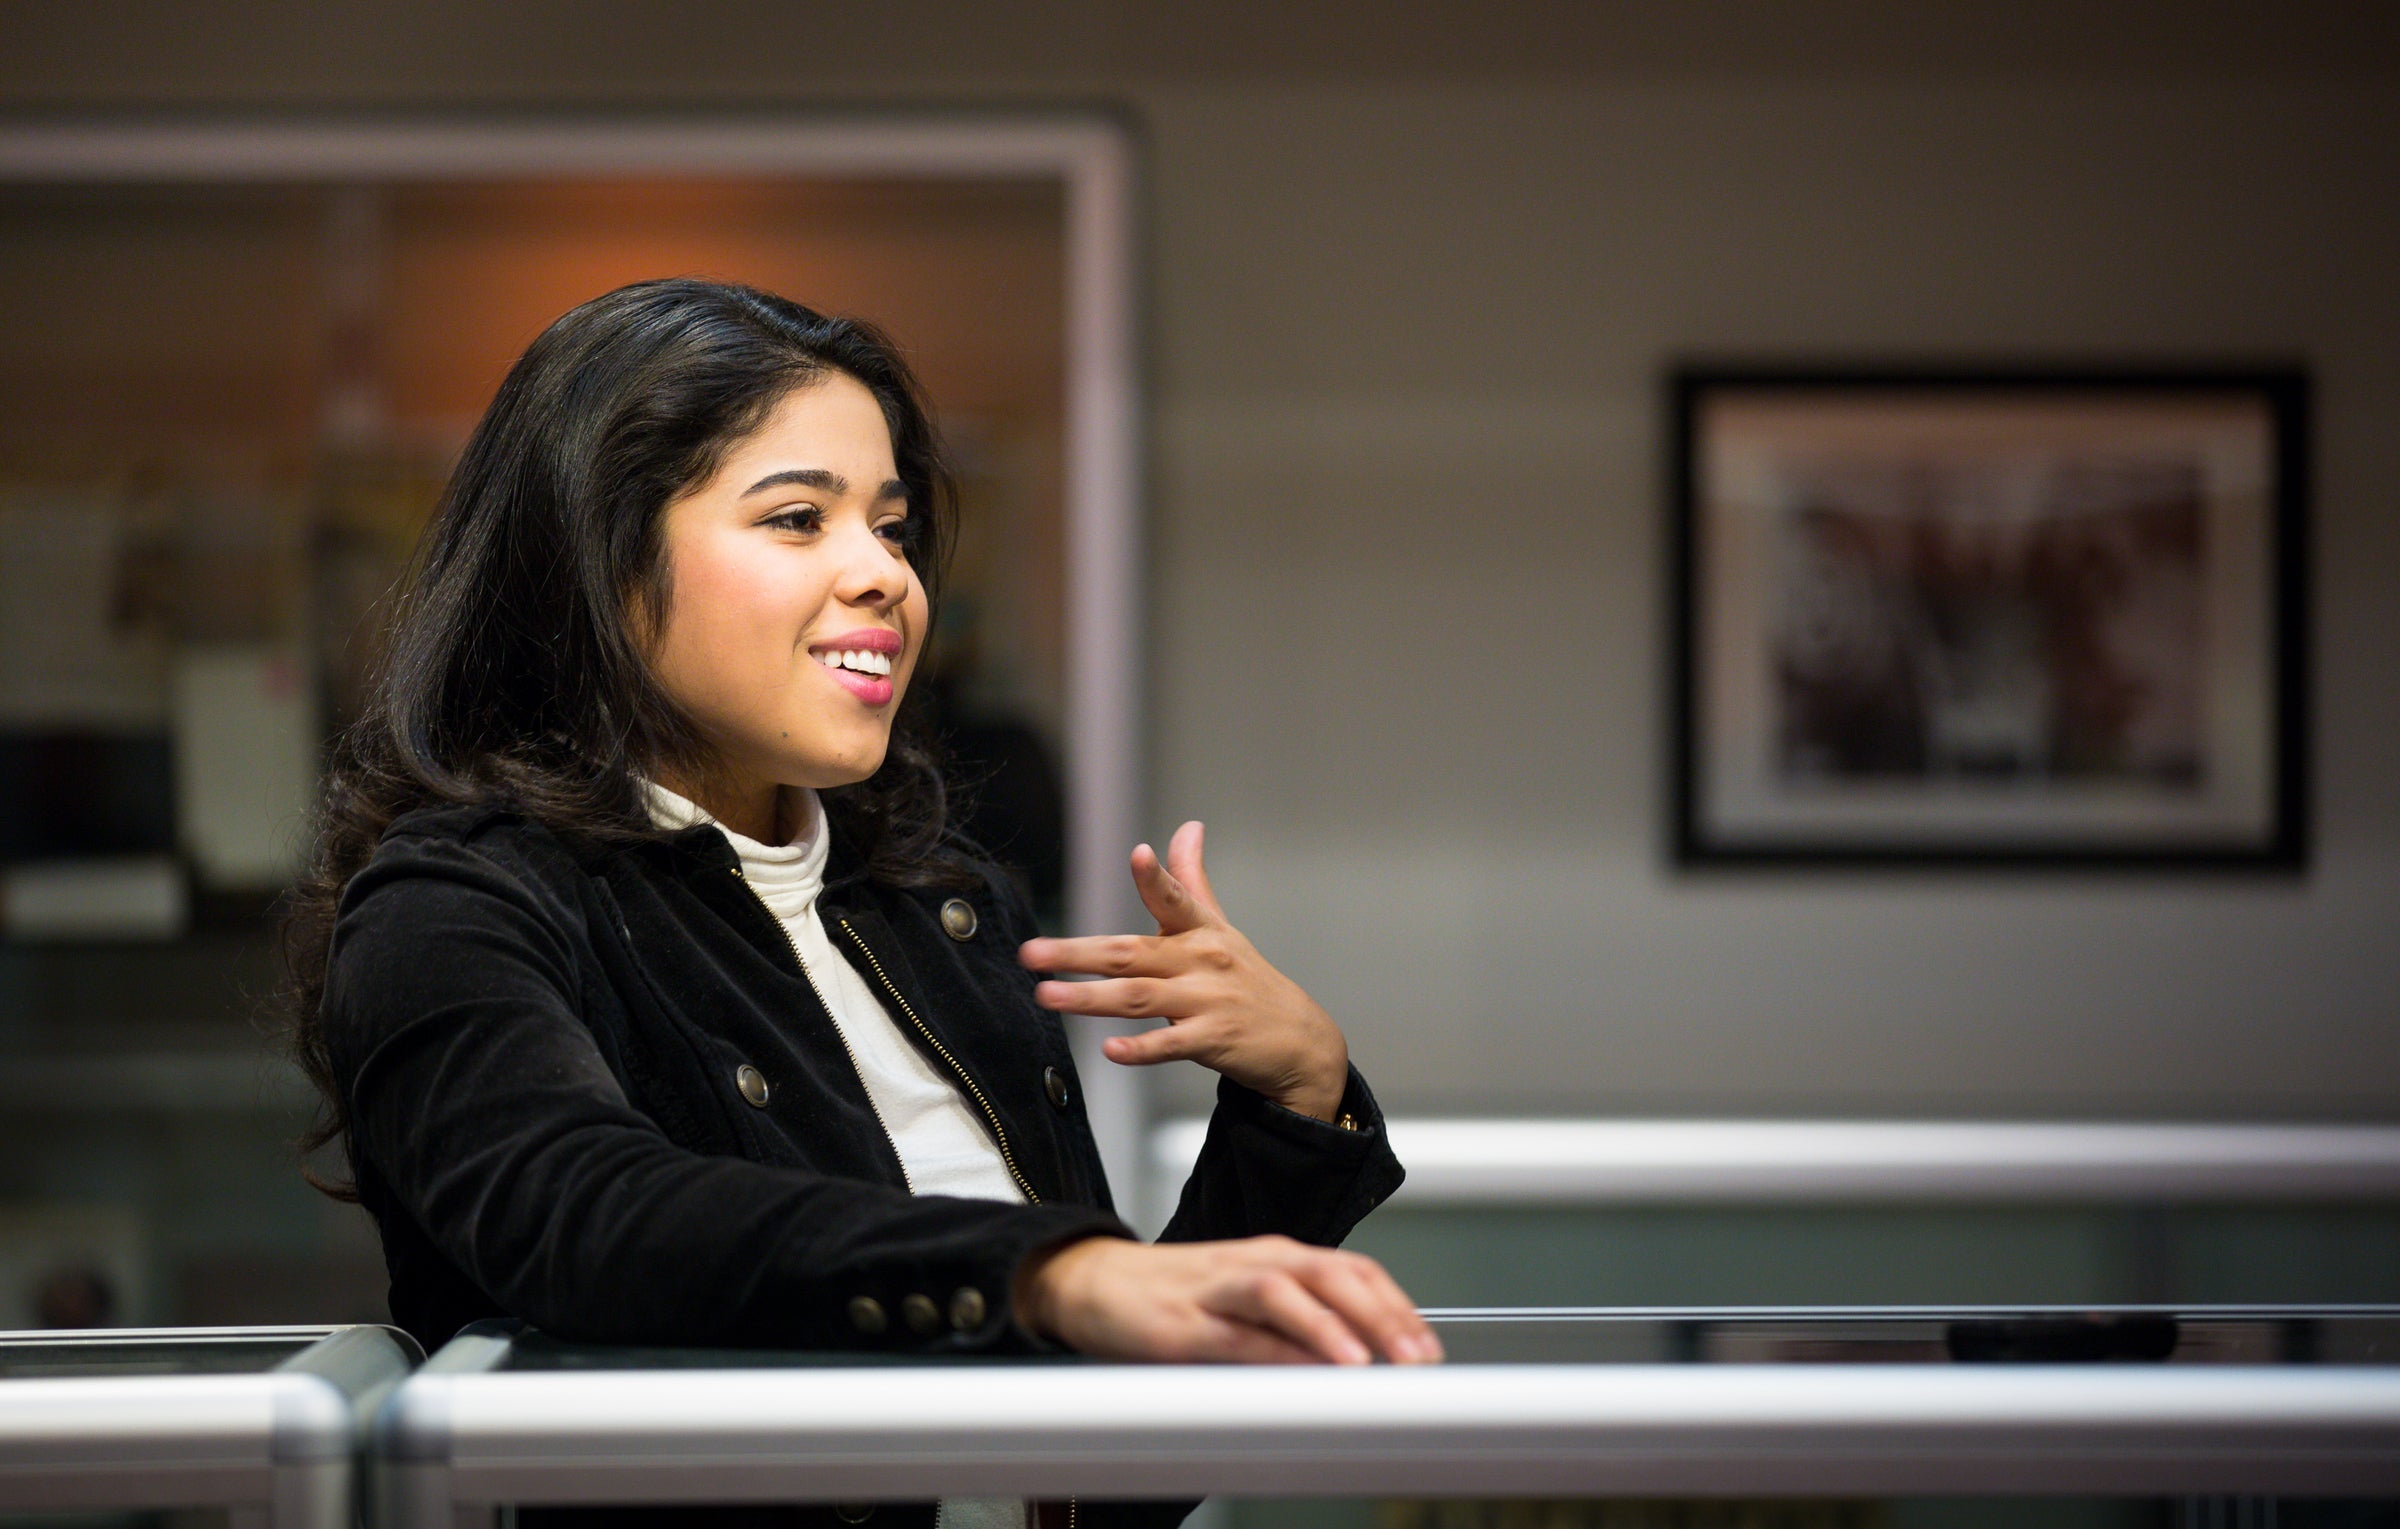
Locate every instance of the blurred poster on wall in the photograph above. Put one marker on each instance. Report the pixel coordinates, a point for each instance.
(245, 763)
(1958, 618)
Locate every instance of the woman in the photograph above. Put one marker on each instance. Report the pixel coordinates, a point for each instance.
(644, 987)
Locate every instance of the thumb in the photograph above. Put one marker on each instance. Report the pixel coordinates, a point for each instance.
(1183, 859)
(1168, 900)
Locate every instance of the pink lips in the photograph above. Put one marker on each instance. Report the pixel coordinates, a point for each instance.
(873, 689)
(867, 639)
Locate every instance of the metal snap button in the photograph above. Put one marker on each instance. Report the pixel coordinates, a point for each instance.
(921, 1315)
(958, 919)
(866, 1314)
(752, 1083)
(853, 1512)
(1054, 1083)
(966, 1309)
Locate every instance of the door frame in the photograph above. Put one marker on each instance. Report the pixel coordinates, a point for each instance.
(1090, 154)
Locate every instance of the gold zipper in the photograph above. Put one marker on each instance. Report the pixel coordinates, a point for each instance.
(801, 961)
(990, 1115)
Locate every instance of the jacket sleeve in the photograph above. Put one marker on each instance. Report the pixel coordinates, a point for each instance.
(1264, 1168)
(483, 1105)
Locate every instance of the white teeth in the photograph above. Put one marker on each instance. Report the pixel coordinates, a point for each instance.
(859, 660)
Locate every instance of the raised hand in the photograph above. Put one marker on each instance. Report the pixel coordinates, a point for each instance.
(1225, 1006)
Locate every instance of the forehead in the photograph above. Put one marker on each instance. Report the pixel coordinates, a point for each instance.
(831, 421)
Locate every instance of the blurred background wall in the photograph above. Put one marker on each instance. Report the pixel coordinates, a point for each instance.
(1416, 272)
(1412, 637)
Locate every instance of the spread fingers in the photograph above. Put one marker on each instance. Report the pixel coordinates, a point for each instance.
(1115, 997)
(1167, 1043)
(1102, 955)
(1167, 899)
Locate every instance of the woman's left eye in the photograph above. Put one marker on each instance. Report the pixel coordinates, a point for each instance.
(805, 517)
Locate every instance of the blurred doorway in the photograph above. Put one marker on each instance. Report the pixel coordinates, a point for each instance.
(236, 363)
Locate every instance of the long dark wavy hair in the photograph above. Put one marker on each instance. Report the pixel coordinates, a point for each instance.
(515, 675)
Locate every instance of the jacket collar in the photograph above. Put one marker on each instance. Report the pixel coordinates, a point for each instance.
(702, 850)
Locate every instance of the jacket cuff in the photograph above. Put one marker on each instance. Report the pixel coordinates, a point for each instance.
(975, 1310)
(1340, 1171)
(1358, 1116)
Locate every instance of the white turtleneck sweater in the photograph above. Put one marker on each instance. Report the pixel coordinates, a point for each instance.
(943, 1147)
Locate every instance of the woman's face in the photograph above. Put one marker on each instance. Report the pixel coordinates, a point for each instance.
(793, 618)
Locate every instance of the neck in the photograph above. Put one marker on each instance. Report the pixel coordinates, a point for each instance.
(754, 808)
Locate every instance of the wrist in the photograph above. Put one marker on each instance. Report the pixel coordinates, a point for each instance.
(1045, 1282)
(1319, 1095)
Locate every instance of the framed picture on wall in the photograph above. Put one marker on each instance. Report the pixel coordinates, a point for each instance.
(1990, 617)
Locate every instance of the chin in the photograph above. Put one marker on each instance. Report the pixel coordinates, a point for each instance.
(850, 770)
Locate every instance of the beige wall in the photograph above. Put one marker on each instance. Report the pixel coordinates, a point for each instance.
(1408, 330)
(1409, 600)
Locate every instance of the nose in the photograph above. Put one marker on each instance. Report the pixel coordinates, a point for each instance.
(873, 573)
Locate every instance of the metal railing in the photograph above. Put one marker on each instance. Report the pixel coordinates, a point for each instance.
(268, 1423)
(1457, 1162)
(309, 1428)
(503, 1417)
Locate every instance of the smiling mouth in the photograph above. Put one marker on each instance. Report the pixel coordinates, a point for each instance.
(857, 661)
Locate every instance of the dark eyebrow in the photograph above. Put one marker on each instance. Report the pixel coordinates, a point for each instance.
(806, 477)
(818, 477)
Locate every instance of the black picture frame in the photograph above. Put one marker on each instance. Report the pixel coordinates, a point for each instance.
(1851, 805)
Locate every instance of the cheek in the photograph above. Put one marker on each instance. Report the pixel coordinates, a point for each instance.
(732, 616)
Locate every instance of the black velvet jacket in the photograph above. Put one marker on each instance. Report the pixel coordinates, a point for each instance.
(590, 1087)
